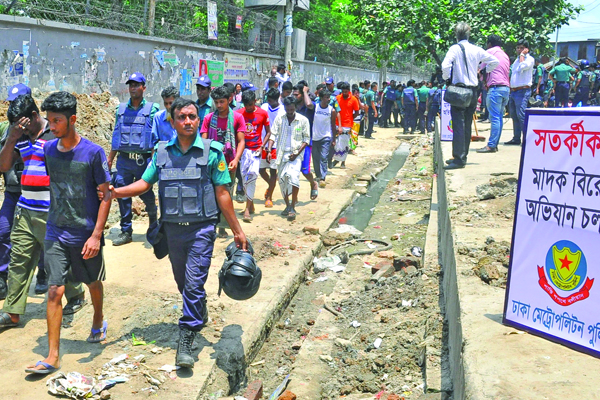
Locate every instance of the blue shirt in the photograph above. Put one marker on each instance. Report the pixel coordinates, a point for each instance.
(162, 128)
(205, 109)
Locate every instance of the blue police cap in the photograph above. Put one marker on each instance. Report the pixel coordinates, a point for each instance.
(204, 80)
(329, 80)
(248, 86)
(137, 77)
(17, 90)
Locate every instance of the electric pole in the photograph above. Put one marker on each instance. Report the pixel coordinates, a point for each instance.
(289, 9)
(151, 17)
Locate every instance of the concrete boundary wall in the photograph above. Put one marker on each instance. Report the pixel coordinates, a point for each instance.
(450, 301)
(60, 56)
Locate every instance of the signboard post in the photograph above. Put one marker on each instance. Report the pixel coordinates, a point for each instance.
(445, 121)
(551, 289)
(213, 27)
(236, 68)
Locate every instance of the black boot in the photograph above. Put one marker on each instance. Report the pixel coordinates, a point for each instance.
(123, 238)
(184, 356)
(3, 286)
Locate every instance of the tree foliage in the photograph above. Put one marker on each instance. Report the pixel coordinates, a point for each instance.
(425, 27)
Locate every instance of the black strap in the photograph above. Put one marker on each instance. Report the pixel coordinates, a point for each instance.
(464, 53)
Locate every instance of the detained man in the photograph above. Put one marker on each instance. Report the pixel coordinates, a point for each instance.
(268, 168)
(291, 132)
(161, 126)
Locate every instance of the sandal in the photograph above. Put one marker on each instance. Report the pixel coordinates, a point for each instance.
(94, 332)
(48, 369)
(292, 215)
(314, 193)
(6, 321)
(74, 305)
(269, 203)
(286, 212)
(247, 219)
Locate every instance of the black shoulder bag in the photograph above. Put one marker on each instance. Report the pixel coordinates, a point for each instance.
(458, 94)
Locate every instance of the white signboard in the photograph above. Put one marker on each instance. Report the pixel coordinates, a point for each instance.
(555, 255)
(445, 121)
(213, 26)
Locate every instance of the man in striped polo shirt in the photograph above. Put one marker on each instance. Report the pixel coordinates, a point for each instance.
(27, 134)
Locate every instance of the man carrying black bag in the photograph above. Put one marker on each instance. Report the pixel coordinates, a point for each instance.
(461, 66)
(192, 181)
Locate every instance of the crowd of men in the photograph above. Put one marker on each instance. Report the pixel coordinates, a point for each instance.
(59, 185)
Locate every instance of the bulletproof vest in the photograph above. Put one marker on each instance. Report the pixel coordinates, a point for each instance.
(133, 131)
(409, 95)
(390, 94)
(585, 79)
(437, 97)
(185, 189)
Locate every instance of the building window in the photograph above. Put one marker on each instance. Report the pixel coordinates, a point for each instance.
(564, 50)
(582, 53)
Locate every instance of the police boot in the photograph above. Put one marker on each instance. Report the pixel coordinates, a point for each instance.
(3, 286)
(184, 356)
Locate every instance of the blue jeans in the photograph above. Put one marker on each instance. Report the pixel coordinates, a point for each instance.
(517, 104)
(127, 172)
(371, 120)
(320, 156)
(421, 116)
(434, 110)
(190, 252)
(497, 99)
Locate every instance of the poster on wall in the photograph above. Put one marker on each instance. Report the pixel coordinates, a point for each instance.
(186, 82)
(551, 289)
(203, 67)
(446, 132)
(213, 27)
(238, 22)
(216, 71)
(236, 68)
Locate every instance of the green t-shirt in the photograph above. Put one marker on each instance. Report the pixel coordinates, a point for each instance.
(217, 166)
(369, 97)
(562, 72)
(423, 93)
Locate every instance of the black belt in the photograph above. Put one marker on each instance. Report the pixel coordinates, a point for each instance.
(496, 86)
(140, 158)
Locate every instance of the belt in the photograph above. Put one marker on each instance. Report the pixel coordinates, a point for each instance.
(496, 86)
(519, 88)
(140, 158)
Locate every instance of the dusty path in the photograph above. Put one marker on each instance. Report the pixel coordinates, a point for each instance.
(141, 298)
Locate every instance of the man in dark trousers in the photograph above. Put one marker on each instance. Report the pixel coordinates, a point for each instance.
(189, 164)
(133, 141)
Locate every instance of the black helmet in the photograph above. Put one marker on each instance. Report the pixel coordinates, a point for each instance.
(239, 276)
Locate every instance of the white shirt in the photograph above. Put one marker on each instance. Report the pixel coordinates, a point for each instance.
(273, 113)
(322, 122)
(475, 56)
(521, 73)
(282, 78)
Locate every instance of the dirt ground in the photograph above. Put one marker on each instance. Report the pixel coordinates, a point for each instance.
(326, 356)
(141, 299)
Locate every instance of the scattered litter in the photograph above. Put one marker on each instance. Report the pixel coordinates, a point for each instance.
(410, 214)
(377, 343)
(277, 244)
(406, 303)
(377, 227)
(116, 360)
(169, 368)
(77, 386)
(156, 350)
(281, 370)
(355, 324)
(280, 388)
(371, 246)
(137, 342)
(140, 358)
(366, 265)
(287, 322)
(325, 358)
(344, 228)
(152, 380)
(321, 279)
(416, 251)
(333, 263)
(361, 184)
(516, 333)
(254, 364)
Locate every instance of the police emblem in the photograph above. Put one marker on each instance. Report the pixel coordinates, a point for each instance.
(222, 166)
(565, 272)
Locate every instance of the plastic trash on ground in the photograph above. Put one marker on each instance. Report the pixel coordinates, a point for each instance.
(416, 251)
(343, 228)
(77, 386)
(333, 263)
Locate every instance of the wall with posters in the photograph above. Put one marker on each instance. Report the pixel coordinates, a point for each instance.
(53, 56)
(552, 289)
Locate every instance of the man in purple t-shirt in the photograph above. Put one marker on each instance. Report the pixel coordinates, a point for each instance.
(74, 233)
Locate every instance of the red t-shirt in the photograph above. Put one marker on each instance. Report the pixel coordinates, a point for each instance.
(347, 108)
(254, 126)
(239, 125)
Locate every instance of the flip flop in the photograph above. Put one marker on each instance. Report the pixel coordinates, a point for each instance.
(269, 203)
(48, 369)
(314, 193)
(94, 332)
(292, 215)
(5, 321)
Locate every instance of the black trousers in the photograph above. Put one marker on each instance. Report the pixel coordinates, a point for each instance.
(462, 121)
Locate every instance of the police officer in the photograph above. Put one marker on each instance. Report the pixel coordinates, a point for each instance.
(205, 102)
(410, 103)
(192, 181)
(561, 77)
(133, 140)
(585, 81)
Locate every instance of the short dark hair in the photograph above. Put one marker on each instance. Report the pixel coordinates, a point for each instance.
(229, 86)
(273, 93)
(22, 106)
(280, 67)
(248, 96)
(294, 88)
(324, 93)
(339, 85)
(222, 92)
(410, 82)
(344, 86)
(273, 81)
(289, 101)
(287, 86)
(302, 82)
(367, 82)
(180, 103)
(494, 40)
(170, 91)
(373, 85)
(62, 103)
(320, 86)
(301, 86)
(523, 42)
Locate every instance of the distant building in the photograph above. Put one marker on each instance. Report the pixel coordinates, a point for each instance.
(579, 49)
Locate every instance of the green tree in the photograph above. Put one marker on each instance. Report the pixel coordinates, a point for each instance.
(425, 26)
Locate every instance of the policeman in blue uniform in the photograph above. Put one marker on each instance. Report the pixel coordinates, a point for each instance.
(584, 82)
(133, 141)
(192, 178)
(410, 103)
